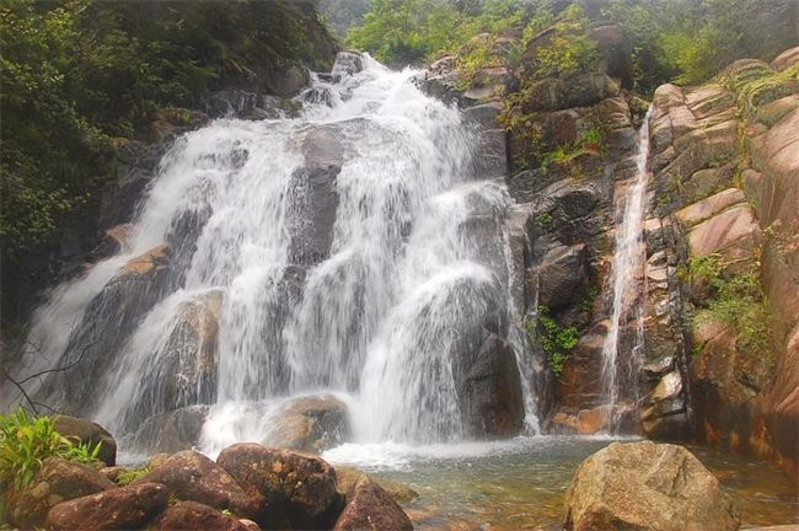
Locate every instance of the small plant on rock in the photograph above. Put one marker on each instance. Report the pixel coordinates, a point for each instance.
(556, 341)
(26, 443)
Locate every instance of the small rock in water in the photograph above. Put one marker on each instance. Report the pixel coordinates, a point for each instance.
(371, 507)
(645, 485)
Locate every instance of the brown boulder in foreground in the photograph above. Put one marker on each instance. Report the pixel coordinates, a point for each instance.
(193, 515)
(371, 507)
(293, 489)
(644, 485)
(58, 481)
(191, 476)
(124, 508)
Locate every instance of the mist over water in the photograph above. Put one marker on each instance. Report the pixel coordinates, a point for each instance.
(342, 251)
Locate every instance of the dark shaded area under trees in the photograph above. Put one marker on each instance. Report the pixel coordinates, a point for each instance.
(79, 74)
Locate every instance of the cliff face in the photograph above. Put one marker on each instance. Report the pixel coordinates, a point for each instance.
(726, 190)
(718, 281)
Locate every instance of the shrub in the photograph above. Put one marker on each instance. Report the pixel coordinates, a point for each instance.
(735, 299)
(556, 341)
(26, 443)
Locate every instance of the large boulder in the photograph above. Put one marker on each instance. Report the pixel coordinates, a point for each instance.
(193, 515)
(645, 485)
(292, 489)
(59, 480)
(371, 507)
(82, 431)
(311, 424)
(124, 508)
(191, 476)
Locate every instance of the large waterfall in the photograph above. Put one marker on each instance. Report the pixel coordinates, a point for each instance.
(627, 283)
(354, 250)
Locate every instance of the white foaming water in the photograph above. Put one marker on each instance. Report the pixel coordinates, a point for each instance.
(628, 262)
(370, 303)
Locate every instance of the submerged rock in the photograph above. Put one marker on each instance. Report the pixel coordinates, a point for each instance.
(123, 508)
(290, 489)
(647, 486)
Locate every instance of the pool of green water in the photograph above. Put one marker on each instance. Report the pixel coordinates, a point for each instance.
(520, 484)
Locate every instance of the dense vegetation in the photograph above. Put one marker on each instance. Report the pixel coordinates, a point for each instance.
(25, 444)
(686, 41)
(79, 73)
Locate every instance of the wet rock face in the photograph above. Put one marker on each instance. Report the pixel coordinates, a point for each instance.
(122, 508)
(134, 290)
(489, 389)
(172, 431)
(647, 486)
(314, 197)
(289, 488)
(312, 424)
(58, 481)
(371, 507)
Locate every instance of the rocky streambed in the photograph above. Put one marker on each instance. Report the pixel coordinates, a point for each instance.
(527, 482)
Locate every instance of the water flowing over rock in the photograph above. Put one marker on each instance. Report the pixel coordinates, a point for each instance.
(357, 248)
(647, 486)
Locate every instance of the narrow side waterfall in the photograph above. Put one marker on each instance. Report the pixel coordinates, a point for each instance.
(627, 282)
(354, 251)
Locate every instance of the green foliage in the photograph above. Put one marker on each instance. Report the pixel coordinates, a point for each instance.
(689, 42)
(569, 49)
(413, 31)
(77, 73)
(544, 219)
(734, 299)
(126, 477)
(26, 443)
(556, 341)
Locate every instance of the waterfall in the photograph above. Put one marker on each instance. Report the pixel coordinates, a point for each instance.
(627, 280)
(353, 250)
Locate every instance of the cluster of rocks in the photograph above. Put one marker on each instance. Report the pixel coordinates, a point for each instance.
(249, 487)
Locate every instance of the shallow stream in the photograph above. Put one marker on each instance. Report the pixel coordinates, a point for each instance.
(520, 484)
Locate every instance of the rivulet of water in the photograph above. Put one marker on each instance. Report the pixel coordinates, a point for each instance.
(628, 262)
(348, 250)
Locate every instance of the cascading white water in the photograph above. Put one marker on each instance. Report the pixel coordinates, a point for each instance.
(626, 277)
(335, 251)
